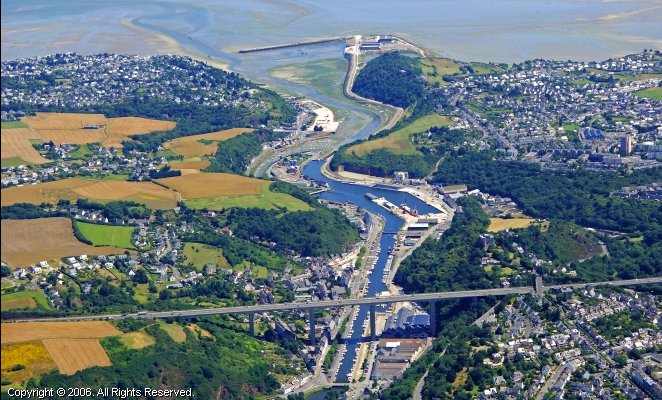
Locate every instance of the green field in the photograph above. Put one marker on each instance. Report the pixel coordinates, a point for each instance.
(201, 254)
(107, 235)
(13, 162)
(25, 299)
(399, 141)
(266, 199)
(168, 154)
(637, 77)
(485, 68)
(580, 82)
(436, 68)
(83, 151)
(110, 177)
(653, 93)
(13, 124)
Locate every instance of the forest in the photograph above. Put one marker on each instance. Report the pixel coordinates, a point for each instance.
(235, 155)
(391, 78)
(382, 162)
(452, 262)
(318, 232)
(581, 197)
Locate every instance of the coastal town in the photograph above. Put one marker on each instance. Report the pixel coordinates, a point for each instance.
(593, 342)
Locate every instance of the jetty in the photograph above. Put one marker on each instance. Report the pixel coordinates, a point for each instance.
(288, 45)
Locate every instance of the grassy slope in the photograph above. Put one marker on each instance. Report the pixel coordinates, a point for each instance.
(107, 235)
(399, 141)
(653, 93)
(201, 254)
(440, 66)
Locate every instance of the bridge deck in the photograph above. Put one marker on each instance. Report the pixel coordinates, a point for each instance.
(423, 297)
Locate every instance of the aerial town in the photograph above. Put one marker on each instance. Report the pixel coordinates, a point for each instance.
(244, 224)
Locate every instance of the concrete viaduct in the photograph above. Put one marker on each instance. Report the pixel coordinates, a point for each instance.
(372, 302)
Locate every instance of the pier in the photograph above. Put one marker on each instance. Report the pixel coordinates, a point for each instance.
(288, 45)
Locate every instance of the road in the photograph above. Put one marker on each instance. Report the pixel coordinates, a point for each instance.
(423, 297)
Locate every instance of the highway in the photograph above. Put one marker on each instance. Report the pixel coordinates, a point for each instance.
(422, 297)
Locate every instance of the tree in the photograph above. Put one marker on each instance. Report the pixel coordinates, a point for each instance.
(141, 277)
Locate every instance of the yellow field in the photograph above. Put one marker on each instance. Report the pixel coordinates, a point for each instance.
(190, 166)
(72, 345)
(72, 136)
(68, 128)
(71, 355)
(119, 129)
(48, 120)
(148, 193)
(30, 331)
(26, 242)
(137, 340)
(191, 146)
(213, 184)
(500, 224)
(175, 331)
(33, 355)
(16, 143)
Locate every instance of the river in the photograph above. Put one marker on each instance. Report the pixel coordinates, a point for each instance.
(356, 195)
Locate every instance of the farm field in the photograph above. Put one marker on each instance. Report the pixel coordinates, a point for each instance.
(12, 124)
(26, 242)
(213, 184)
(399, 141)
(107, 235)
(30, 331)
(59, 121)
(71, 355)
(190, 166)
(219, 190)
(72, 136)
(119, 129)
(69, 128)
(653, 93)
(71, 345)
(150, 194)
(24, 299)
(500, 224)
(15, 143)
(33, 355)
(200, 255)
(204, 144)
